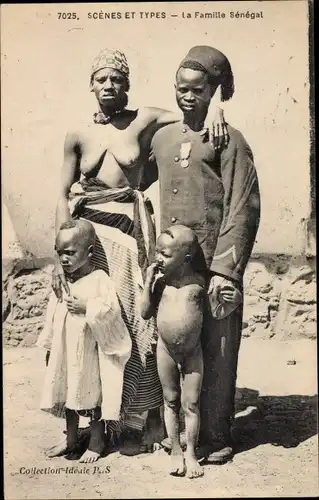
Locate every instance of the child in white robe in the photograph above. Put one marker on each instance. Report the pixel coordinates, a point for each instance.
(89, 343)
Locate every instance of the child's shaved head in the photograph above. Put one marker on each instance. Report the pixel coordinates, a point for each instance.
(84, 229)
(184, 237)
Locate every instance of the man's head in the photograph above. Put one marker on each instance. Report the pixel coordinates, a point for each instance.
(75, 244)
(175, 247)
(110, 79)
(198, 77)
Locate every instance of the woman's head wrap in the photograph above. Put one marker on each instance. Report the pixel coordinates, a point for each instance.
(216, 64)
(111, 58)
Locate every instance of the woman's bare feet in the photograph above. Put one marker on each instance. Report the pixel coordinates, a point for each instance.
(177, 467)
(130, 443)
(89, 457)
(153, 432)
(145, 448)
(156, 447)
(193, 469)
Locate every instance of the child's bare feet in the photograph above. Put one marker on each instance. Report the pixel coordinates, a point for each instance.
(193, 469)
(177, 467)
(89, 457)
(57, 450)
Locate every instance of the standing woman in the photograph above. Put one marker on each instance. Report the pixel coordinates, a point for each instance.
(102, 181)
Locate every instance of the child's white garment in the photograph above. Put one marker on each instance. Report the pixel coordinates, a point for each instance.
(88, 351)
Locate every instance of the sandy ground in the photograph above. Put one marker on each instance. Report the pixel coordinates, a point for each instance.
(275, 430)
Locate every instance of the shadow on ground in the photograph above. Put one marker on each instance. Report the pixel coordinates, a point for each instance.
(279, 420)
(283, 421)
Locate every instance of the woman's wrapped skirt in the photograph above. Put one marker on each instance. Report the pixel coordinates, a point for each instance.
(125, 247)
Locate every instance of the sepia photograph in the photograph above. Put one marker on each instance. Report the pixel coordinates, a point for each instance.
(159, 250)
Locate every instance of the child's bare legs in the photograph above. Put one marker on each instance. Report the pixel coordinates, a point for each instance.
(61, 447)
(67, 445)
(72, 426)
(96, 443)
(192, 382)
(170, 379)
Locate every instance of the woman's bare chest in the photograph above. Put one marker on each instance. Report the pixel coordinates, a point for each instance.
(105, 145)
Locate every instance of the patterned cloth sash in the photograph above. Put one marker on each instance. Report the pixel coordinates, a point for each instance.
(92, 191)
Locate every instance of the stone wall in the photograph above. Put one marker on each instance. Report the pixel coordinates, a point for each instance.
(280, 300)
(25, 298)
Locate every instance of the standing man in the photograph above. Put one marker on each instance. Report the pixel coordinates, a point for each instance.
(217, 195)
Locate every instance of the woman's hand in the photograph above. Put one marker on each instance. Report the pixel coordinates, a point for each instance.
(59, 280)
(218, 133)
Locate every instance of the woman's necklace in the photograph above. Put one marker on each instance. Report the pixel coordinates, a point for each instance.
(102, 119)
(186, 149)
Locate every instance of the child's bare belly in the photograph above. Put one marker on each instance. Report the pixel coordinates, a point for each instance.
(180, 318)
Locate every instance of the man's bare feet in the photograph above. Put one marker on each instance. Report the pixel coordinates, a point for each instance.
(57, 450)
(177, 466)
(89, 457)
(193, 469)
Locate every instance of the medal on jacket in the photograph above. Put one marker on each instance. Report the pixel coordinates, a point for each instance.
(185, 153)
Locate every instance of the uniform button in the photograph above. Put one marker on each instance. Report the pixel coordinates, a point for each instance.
(175, 191)
(184, 130)
(176, 158)
(173, 219)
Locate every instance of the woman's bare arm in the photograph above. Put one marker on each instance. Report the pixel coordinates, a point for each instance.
(218, 132)
(70, 173)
